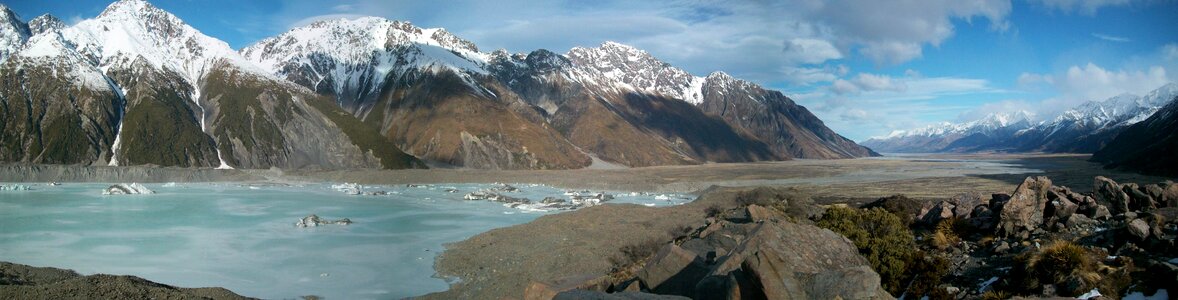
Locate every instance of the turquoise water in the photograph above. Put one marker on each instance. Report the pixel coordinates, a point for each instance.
(242, 237)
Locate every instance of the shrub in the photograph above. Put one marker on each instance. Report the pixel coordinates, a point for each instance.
(947, 233)
(881, 237)
(632, 255)
(1073, 269)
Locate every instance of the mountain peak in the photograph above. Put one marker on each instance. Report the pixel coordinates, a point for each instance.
(128, 7)
(45, 23)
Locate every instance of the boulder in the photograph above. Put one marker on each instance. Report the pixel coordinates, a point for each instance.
(825, 266)
(1138, 228)
(1080, 221)
(1061, 208)
(936, 212)
(1169, 196)
(759, 213)
(1101, 213)
(1108, 191)
(549, 290)
(1024, 210)
(964, 204)
(599, 295)
(673, 270)
(1138, 199)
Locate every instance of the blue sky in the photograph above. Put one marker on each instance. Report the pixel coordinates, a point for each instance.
(865, 67)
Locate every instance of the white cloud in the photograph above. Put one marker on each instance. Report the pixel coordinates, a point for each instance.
(1032, 80)
(1111, 38)
(810, 51)
(1170, 51)
(873, 82)
(808, 76)
(843, 87)
(1091, 82)
(1088, 7)
(342, 8)
(998, 107)
(854, 114)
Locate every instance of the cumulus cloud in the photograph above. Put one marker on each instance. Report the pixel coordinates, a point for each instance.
(811, 51)
(1170, 51)
(1088, 82)
(1092, 82)
(1088, 7)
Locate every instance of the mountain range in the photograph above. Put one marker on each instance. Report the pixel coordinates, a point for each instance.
(137, 86)
(1147, 146)
(1086, 128)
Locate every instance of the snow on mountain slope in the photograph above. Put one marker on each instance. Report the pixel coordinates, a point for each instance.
(1083, 128)
(13, 32)
(636, 70)
(51, 49)
(352, 58)
(129, 29)
(45, 23)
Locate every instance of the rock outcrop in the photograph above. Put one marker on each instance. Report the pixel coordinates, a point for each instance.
(27, 282)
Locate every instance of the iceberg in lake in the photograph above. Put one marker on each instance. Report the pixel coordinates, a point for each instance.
(127, 189)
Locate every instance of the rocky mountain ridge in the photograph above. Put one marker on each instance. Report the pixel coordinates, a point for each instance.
(395, 87)
(1085, 128)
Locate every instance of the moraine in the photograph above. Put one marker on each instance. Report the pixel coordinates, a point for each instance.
(243, 237)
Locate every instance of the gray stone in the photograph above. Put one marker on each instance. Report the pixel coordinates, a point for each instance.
(673, 269)
(1024, 210)
(1108, 191)
(938, 211)
(1138, 200)
(1138, 228)
(599, 295)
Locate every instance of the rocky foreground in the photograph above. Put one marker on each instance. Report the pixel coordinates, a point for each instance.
(26, 282)
(774, 243)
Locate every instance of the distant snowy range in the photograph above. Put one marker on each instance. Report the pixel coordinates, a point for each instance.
(1086, 128)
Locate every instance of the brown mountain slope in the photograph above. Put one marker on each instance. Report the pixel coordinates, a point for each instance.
(439, 117)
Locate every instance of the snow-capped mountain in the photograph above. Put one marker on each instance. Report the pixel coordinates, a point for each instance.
(13, 32)
(45, 23)
(350, 59)
(367, 62)
(147, 88)
(155, 90)
(1147, 146)
(128, 30)
(1083, 129)
(629, 68)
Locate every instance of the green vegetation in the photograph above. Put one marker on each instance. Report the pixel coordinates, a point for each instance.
(243, 117)
(160, 128)
(366, 137)
(64, 141)
(881, 237)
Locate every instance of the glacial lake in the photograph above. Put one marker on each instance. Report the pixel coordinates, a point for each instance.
(242, 236)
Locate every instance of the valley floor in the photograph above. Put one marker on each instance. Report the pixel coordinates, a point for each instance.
(847, 180)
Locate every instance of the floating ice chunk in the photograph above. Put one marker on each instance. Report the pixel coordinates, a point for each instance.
(314, 221)
(1090, 294)
(348, 188)
(15, 187)
(127, 189)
